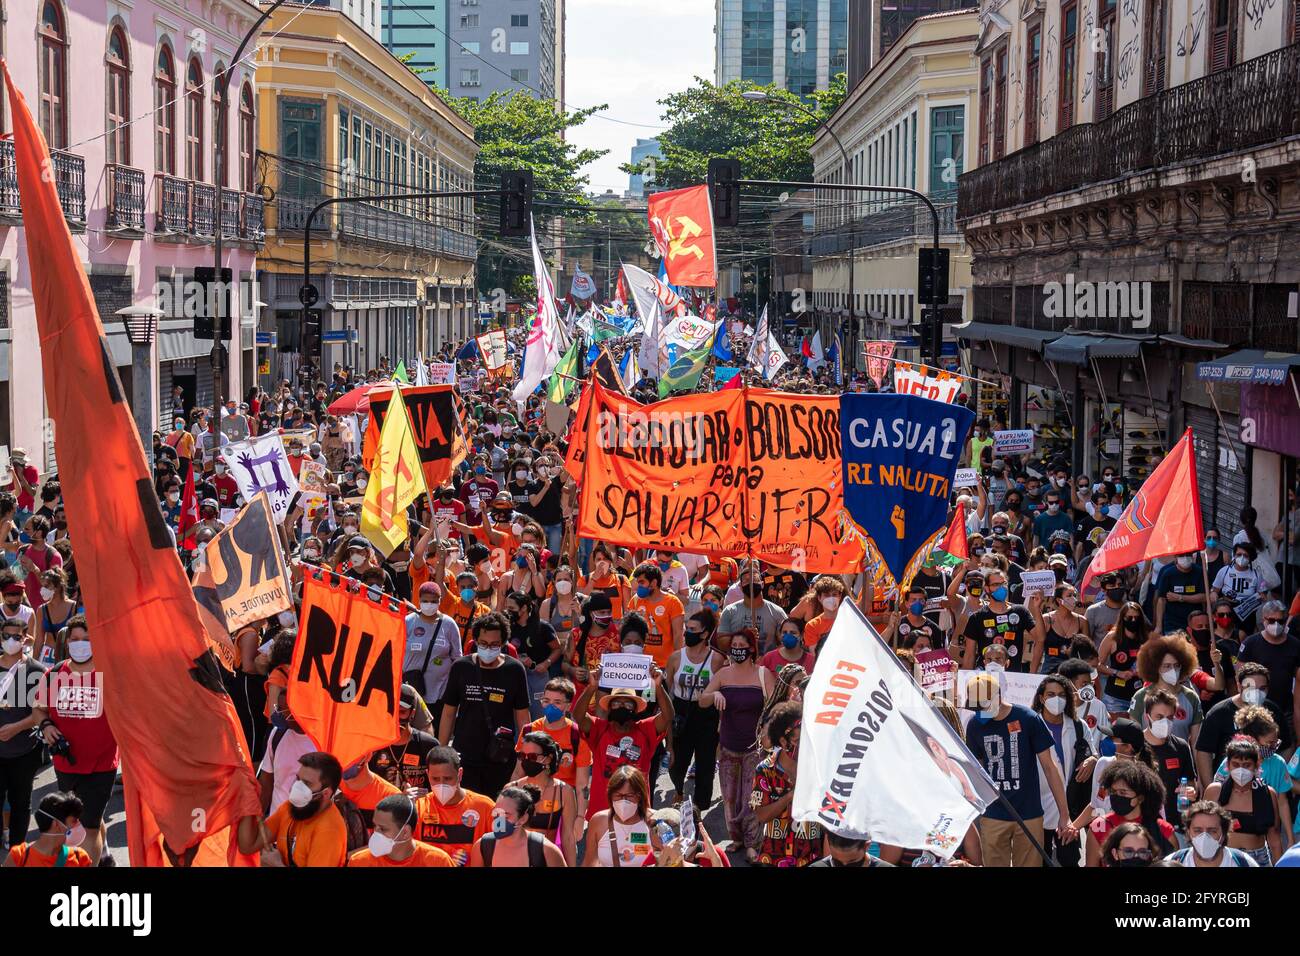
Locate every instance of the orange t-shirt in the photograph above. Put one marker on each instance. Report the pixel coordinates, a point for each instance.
(424, 855)
(27, 855)
(574, 752)
(660, 612)
(501, 553)
(419, 576)
(613, 585)
(454, 829)
(368, 797)
(320, 841)
(459, 611)
(816, 629)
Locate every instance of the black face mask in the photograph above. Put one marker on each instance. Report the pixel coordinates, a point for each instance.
(1129, 862)
(620, 715)
(693, 638)
(1115, 594)
(532, 767)
(1121, 804)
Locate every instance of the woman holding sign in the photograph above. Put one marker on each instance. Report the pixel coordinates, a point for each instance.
(1054, 631)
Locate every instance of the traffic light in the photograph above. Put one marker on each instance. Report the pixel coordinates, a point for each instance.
(932, 276)
(214, 313)
(311, 344)
(516, 203)
(724, 194)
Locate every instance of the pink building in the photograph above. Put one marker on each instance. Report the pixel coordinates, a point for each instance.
(124, 92)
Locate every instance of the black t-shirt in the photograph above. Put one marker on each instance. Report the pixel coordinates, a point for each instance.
(1091, 533)
(785, 588)
(520, 494)
(485, 699)
(402, 765)
(548, 510)
(986, 627)
(534, 641)
(1218, 728)
(909, 632)
(1173, 762)
(1282, 661)
(1175, 581)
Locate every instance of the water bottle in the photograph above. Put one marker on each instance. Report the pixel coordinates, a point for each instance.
(1183, 801)
(665, 832)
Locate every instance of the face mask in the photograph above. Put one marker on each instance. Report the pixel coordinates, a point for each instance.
(916, 607)
(1170, 675)
(625, 809)
(602, 620)
(1223, 620)
(1252, 695)
(311, 554)
(357, 560)
(300, 794)
(480, 470)
(1055, 705)
(1067, 601)
(467, 595)
(173, 496)
(517, 529)
(1131, 626)
(999, 593)
(502, 828)
(633, 648)
(739, 654)
(1053, 508)
(993, 667)
(552, 713)
(563, 587)
(380, 845)
(79, 651)
(789, 640)
(428, 608)
(830, 602)
(351, 773)
(47, 593)
(692, 638)
(1161, 728)
(521, 476)
(220, 469)
(76, 836)
(1115, 594)
(1241, 775)
(350, 528)
(532, 767)
(488, 654)
(444, 792)
(1183, 563)
(361, 484)
(1211, 544)
(711, 605)
(1274, 628)
(12, 645)
(1114, 511)
(521, 562)
(1121, 805)
(642, 591)
(664, 565)
(1242, 562)
(1206, 845)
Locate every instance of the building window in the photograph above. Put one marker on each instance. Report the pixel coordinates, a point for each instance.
(986, 102)
(164, 112)
(1000, 104)
(1033, 67)
(519, 19)
(1105, 62)
(518, 47)
(469, 47)
(247, 140)
(117, 141)
(519, 76)
(194, 121)
(469, 77)
(216, 123)
(1154, 48)
(469, 21)
(1223, 35)
(947, 147)
(757, 29)
(52, 38)
(1067, 81)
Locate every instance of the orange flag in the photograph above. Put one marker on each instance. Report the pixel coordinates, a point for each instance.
(187, 775)
(1163, 518)
(682, 224)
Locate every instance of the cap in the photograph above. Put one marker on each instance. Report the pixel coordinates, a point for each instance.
(1127, 732)
(15, 588)
(623, 693)
(408, 697)
(503, 496)
(1060, 559)
(358, 541)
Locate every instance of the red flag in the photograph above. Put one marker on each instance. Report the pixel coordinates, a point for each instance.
(736, 381)
(620, 291)
(954, 539)
(189, 520)
(806, 347)
(682, 224)
(1163, 518)
(187, 774)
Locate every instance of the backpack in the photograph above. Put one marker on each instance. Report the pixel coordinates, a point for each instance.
(358, 838)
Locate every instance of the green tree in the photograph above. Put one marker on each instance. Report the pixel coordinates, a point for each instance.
(772, 140)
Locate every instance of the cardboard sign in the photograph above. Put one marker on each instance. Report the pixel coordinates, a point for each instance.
(625, 670)
(442, 373)
(938, 674)
(6, 470)
(914, 380)
(1042, 583)
(966, 478)
(311, 477)
(346, 676)
(1018, 441)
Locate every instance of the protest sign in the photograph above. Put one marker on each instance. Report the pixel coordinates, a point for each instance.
(743, 471)
(914, 380)
(261, 465)
(938, 674)
(493, 347)
(442, 373)
(1247, 606)
(1017, 688)
(878, 355)
(311, 477)
(312, 504)
(1042, 583)
(875, 757)
(900, 455)
(625, 670)
(966, 478)
(434, 424)
(345, 678)
(1017, 441)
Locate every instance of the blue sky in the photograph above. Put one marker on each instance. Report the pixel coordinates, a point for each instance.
(629, 54)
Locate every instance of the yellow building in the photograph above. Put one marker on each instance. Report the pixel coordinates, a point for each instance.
(341, 116)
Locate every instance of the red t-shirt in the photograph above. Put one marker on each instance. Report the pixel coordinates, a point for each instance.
(1103, 825)
(44, 560)
(773, 661)
(76, 705)
(26, 500)
(612, 747)
(226, 490)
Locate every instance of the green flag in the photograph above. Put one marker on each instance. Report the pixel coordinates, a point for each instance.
(562, 379)
(685, 373)
(603, 330)
(399, 373)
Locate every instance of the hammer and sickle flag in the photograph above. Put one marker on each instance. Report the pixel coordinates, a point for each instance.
(187, 776)
(682, 224)
(396, 480)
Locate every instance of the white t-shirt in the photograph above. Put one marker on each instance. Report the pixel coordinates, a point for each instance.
(282, 765)
(692, 563)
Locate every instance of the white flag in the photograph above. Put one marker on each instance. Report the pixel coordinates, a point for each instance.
(421, 370)
(818, 357)
(690, 332)
(541, 352)
(583, 285)
(875, 758)
(260, 464)
(646, 290)
(651, 355)
(765, 352)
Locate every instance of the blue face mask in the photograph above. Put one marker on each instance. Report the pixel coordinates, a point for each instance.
(480, 470)
(502, 828)
(1211, 543)
(552, 713)
(642, 591)
(665, 565)
(467, 595)
(711, 605)
(916, 607)
(789, 641)
(999, 593)
(353, 772)
(521, 562)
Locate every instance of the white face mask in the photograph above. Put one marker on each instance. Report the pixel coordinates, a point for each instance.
(625, 809)
(1161, 728)
(993, 667)
(1055, 705)
(300, 794)
(173, 496)
(380, 845)
(1241, 561)
(1274, 628)
(47, 593)
(443, 792)
(488, 654)
(361, 484)
(288, 619)
(830, 602)
(1170, 675)
(563, 587)
(516, 529)
(1252, 695)
(220, 469)
(633, 649)
(1115, 511)
(350, 528)
(428, 608)
(79, 651)
(1241, 775)
(1184, 564)
(1206, 845)
(311, 554)
(12, 645)
(76, 836)
(357, 560)
(521, 476)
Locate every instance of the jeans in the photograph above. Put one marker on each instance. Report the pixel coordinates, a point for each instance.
(584, 553)
(695, 736)
(536, 685)
(554, 536)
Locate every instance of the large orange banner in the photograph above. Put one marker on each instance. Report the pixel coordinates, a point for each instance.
(745, 471)
(682, 223)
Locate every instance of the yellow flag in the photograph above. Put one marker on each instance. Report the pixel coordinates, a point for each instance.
(396, 480)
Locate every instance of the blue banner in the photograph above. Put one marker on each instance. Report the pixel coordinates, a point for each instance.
(900, 455)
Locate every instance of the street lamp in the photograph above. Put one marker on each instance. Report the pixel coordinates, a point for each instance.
(141, 323)
(762, 96)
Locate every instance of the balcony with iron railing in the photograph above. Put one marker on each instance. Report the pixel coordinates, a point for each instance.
(373, 223)
(124, 191)
(229, 214)
(203, 210)
(1252, 104)
(894, 221)
(69, 180)
(173, 215)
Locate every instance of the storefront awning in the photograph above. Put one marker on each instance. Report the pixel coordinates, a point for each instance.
(1032, 339)
(1078, 349)
(1250, 365)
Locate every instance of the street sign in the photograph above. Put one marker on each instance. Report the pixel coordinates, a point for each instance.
(308, 295)
(338, 336)
(266, 339)
(932, 276)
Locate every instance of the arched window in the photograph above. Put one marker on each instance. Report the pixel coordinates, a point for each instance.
(164, 104)
(52, 37)
(247, 141)
(221, 142)
(194, 121)
(118, 140)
